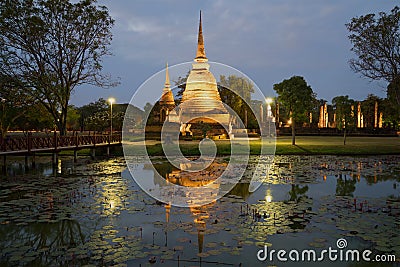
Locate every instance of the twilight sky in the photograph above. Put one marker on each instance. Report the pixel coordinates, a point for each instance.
(269, 41)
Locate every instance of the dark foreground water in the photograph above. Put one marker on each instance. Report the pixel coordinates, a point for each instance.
(93, 214)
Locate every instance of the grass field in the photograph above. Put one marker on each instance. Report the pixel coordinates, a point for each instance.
(305, 145)
(334, 145)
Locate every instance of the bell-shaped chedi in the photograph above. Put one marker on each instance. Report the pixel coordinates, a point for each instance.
(201, 101)
(165, 106)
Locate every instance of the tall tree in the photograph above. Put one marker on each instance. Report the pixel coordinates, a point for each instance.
(14, 103)
(236, 92)
(391, 113)
(297, 97)
(73, 118)
(89, 110)
(368, 110)
(393, 97)
(345, 117)
(376, 43)
(34, 118)
(53, 46)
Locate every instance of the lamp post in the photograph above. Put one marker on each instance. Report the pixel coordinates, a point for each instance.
(111, 100)
(269, 114)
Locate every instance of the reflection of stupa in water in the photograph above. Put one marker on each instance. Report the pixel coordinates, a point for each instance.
(183, 177)
(201, 102)
(198, 178)
(200, 215)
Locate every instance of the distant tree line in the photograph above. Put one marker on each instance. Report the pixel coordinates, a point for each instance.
(95, 116)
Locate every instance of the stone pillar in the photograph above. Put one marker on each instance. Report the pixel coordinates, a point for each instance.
(326, 115)
(359, 115)
(334, 120)
(362, 120)
(321, 117)
(261, 113)
(269, 112)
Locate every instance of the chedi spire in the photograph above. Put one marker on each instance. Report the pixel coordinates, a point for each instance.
(200, 53)
(167, 98)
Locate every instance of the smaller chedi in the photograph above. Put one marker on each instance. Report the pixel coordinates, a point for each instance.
(166, 102)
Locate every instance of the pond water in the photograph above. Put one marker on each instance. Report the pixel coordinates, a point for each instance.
(93, 213)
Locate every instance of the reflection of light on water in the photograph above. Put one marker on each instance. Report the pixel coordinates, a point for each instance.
(112, 205)
(59, 165)
(268, 197)
(112, 201)
(112, 190)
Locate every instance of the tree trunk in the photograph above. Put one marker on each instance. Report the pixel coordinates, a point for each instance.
(344, 137)
(293, 133)
(61, 126)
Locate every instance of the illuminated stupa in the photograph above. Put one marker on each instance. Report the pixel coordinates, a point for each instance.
(166, 102)
(201, 101)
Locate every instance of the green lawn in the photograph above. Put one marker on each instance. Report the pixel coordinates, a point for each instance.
(334, 145)
(305, 145)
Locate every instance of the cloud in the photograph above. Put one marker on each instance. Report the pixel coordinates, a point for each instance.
(271, 40)
(144, 26)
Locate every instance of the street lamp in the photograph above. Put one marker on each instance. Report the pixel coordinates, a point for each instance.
(269, 114)
(269, 102)
(111, 100)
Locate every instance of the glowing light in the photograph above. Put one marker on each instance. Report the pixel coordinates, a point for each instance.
(269, 100)
(268, 197)
(112, 101)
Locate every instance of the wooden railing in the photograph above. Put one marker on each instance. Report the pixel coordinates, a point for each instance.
(31, 142)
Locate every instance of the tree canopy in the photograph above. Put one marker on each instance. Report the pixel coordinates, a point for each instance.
(14, 103)
(236, 92)
(344, 113)
(376, 43)
(297, 97)
(345, 117)
(52, 46)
